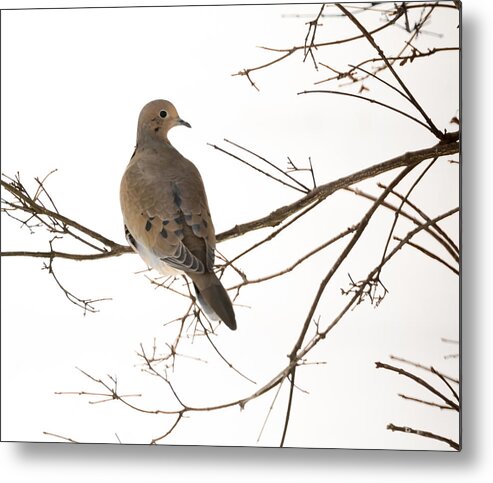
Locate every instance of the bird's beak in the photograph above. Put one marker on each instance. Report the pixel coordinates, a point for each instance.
(181, 122)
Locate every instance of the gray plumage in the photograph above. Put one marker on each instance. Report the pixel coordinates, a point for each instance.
(165, 210)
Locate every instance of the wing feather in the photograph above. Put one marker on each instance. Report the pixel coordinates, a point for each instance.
(168, 215)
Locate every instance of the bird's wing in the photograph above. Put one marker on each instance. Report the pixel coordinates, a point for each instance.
(166, 212)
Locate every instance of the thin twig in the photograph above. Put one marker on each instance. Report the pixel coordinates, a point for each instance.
(420, 381)
(403, 58)
(368, 99)
(70, 440)
(229, 364)
(412, 99)
(427, 403)
(312, 28)
(325, 190)
(431, 255)
(396, 214)
(299, 261)
(420, 366)
(426, 434)
(290, 403)
(270, 411)
(450, 246)
(301, 185)
(442, 377)
(37, 208)
(114, 252)
(361, 227)
(279, 230)
(436, 232)
(257, 169)
(159, 438)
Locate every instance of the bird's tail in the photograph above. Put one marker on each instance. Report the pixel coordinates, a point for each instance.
(214, 299)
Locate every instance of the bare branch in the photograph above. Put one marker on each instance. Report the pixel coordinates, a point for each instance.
(420, 366)
(427, 403)
(321, 334)
(304, 188)
(290, 403)
(442, 377)
(32, 206)
(325, 190)
(397, 213)
(70, 440)
(275, 218)
(299, 261)
(412, 99)
(450, 246)
(272, 235)
(312, 28)
(229, 364)
(419, 381)
(373, 101)
(435, 231)
(425, 434)
(270, 411)
(403, 60)
(361, 227)
(117, 251)
(159, 438)
(430, 254)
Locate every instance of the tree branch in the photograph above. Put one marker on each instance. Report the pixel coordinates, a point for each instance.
(420, 381)
(273, 219)
(426, 434)
(34, 207)
(421, 366)
(410, 96)
(325, 190)
(372, 101)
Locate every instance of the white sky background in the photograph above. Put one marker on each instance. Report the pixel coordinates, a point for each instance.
(73, 85)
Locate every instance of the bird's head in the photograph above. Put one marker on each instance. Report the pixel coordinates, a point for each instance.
(157, 118)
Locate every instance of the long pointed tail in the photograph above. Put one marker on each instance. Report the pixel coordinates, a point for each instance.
(214, 299)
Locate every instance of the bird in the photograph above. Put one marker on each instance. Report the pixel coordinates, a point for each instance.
(165, 211)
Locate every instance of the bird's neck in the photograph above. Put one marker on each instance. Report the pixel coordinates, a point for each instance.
(154, 139)
(155, 146)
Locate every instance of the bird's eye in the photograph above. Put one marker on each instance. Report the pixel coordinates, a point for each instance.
(163, 113)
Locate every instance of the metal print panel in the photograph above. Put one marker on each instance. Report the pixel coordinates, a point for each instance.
(284, 273)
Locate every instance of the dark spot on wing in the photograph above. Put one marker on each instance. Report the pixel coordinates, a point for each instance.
(148, 225)
(210, 257)
(165, 222)
(176, 194)
(196, 229)
(164, 233)
(156, 129)
(179, 234)
(130, 238)
(179, 219)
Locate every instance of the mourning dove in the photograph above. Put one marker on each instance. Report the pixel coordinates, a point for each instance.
(165, 210)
